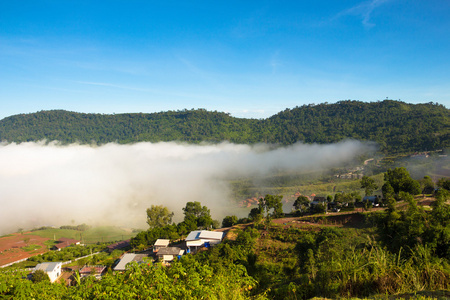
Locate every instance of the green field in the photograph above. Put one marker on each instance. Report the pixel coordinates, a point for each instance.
(288, 185)
(93, 235)
(32, 247)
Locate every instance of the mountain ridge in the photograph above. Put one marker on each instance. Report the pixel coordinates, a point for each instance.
(396, 126)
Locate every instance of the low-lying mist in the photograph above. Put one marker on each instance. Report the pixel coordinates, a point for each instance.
(51, 184)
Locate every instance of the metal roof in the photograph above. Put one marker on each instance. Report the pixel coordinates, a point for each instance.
(170, 251)
(126, 258)
(162, 242)
(204, 234)
(211, 235)
(47, 266)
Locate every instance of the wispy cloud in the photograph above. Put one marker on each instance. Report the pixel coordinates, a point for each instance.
(363, 10)
(275, 61)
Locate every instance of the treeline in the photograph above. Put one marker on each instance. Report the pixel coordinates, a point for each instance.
(396, 126)
(81, 227)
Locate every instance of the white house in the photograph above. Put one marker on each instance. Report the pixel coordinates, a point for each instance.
(168, 254)
(203, 238)
(53, 269)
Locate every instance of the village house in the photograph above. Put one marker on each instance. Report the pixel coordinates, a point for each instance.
(118, 245)
(52, 269)
(96, 271)
(203, 238)
(65, 242)
(159, 244)
(168, 254)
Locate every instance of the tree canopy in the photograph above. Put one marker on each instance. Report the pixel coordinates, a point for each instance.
(159, 216)
(369, 185)
(400, 180)
(395, 126)
(201, 215)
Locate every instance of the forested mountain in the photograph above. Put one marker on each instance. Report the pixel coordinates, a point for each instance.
(396, 126)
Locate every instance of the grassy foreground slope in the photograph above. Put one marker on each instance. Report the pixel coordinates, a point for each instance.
(396, 126)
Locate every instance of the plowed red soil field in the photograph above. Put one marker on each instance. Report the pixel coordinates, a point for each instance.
(11, 247)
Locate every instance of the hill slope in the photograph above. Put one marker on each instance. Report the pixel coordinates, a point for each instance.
(395, 126)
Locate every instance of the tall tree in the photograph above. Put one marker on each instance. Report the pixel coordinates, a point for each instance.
(158, 216)
(369, 185)
(271, 202)
(444, 183)
(229, 221)
(201, 214)
(400, 180)
(301, 203)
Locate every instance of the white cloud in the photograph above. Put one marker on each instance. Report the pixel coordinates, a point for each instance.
(363, 10)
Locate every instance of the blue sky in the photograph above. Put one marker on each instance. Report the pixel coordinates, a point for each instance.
(248, 58)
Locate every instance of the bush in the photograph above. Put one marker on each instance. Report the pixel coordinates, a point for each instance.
(39, 276)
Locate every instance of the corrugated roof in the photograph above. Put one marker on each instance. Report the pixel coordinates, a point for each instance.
(162, 242)
(211, 235)
(70, 241)
(193, 235)
(47, 266)
(204, 234)
(126, 258)
(170, 251)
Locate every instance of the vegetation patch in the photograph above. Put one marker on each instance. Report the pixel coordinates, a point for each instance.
(32, 247)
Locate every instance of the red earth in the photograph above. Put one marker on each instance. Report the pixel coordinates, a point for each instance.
(11, 247)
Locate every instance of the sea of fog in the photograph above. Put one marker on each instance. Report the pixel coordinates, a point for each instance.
(53, 184)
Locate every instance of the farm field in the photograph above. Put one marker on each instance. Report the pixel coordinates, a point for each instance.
(17, 246)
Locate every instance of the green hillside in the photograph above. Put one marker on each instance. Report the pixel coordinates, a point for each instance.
(396, 126)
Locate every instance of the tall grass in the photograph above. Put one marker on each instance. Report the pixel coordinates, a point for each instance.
(368, 271)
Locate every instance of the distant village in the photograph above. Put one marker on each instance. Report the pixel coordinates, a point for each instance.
(162, 251)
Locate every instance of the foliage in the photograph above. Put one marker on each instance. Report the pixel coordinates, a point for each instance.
(82, 227)
(405, 231)
(444, 183)
(343, 197)
(39, 275)
(255, 214)
(395, 126)
(195, 212)
(229, 221)
(186, 279)
(400, 180)
(369, 185)
(159, 216)
(427, 184)
(301, 203)
(271, 206)
(66, 254)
